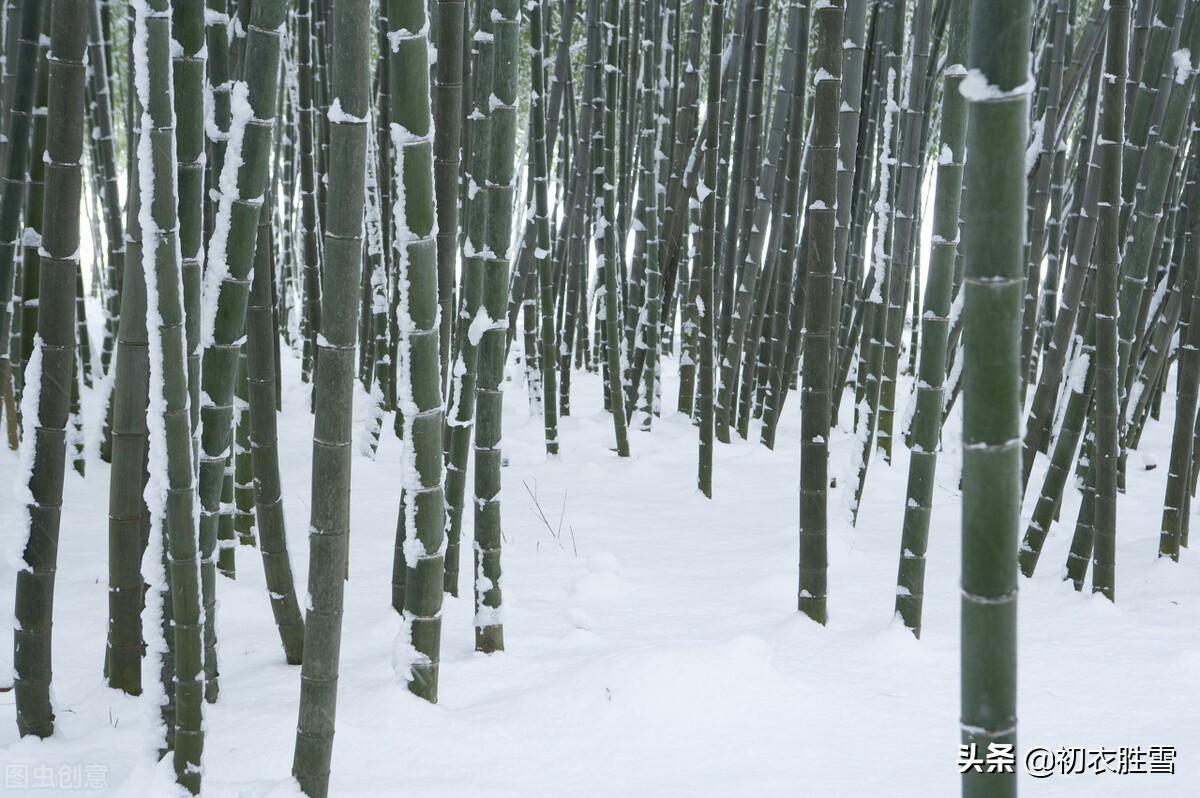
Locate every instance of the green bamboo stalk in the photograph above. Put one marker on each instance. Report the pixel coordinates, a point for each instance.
(489, 628)
(1047, 124)
(1150, 68)
(128, 516)
(12, 188)
(226, 284)
(460, 401)
(1147, 211)
(783, 247)
(1176, 503)
(1050, 498)
(992, 236)
(310, 322)
(243, 468)
(541, 255)
(334, 382)
(1045, 396)
(647, 337)
(35, 190)
(605, 233)
(419, 380)
(188, 63)
(264, 450)
(217, 40)
(170, 494)
(447, 143)
(49, 374)
(706, 262)
(1110, 147)
(739, 279)
(814, 398)
(106, 165)
(909, 176)
(935, 323)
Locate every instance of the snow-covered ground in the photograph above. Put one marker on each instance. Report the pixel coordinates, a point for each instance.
(653, 644)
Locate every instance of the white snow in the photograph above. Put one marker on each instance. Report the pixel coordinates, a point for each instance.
(1182, 59)
(975, 87)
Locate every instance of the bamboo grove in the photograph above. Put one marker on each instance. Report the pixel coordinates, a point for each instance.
(888, 207)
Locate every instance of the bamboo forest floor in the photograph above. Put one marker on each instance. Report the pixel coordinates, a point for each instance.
(653, 644)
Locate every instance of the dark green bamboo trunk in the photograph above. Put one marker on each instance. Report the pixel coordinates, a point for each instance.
(541, 255)
(489, 626)
(447, 143)
(706, 262)
(935, 323)
(264, 450)
(992, 238)
(1176, 504)
(821, 221)
(334, 383)
(1108, 251)
(50, 373)
(460, 401)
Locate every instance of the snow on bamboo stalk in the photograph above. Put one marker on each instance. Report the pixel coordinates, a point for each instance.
(334, 381)
(935, 323)
(1109, 147)
(704, 264)
(226, 284)
(993, 222)
(418, 384)
(46, 399)
(820, 224)
(171, 487)
(489, 622)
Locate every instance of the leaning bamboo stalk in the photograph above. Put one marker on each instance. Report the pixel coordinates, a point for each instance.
(264, 450)
(1176, 503)
(935, 322)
